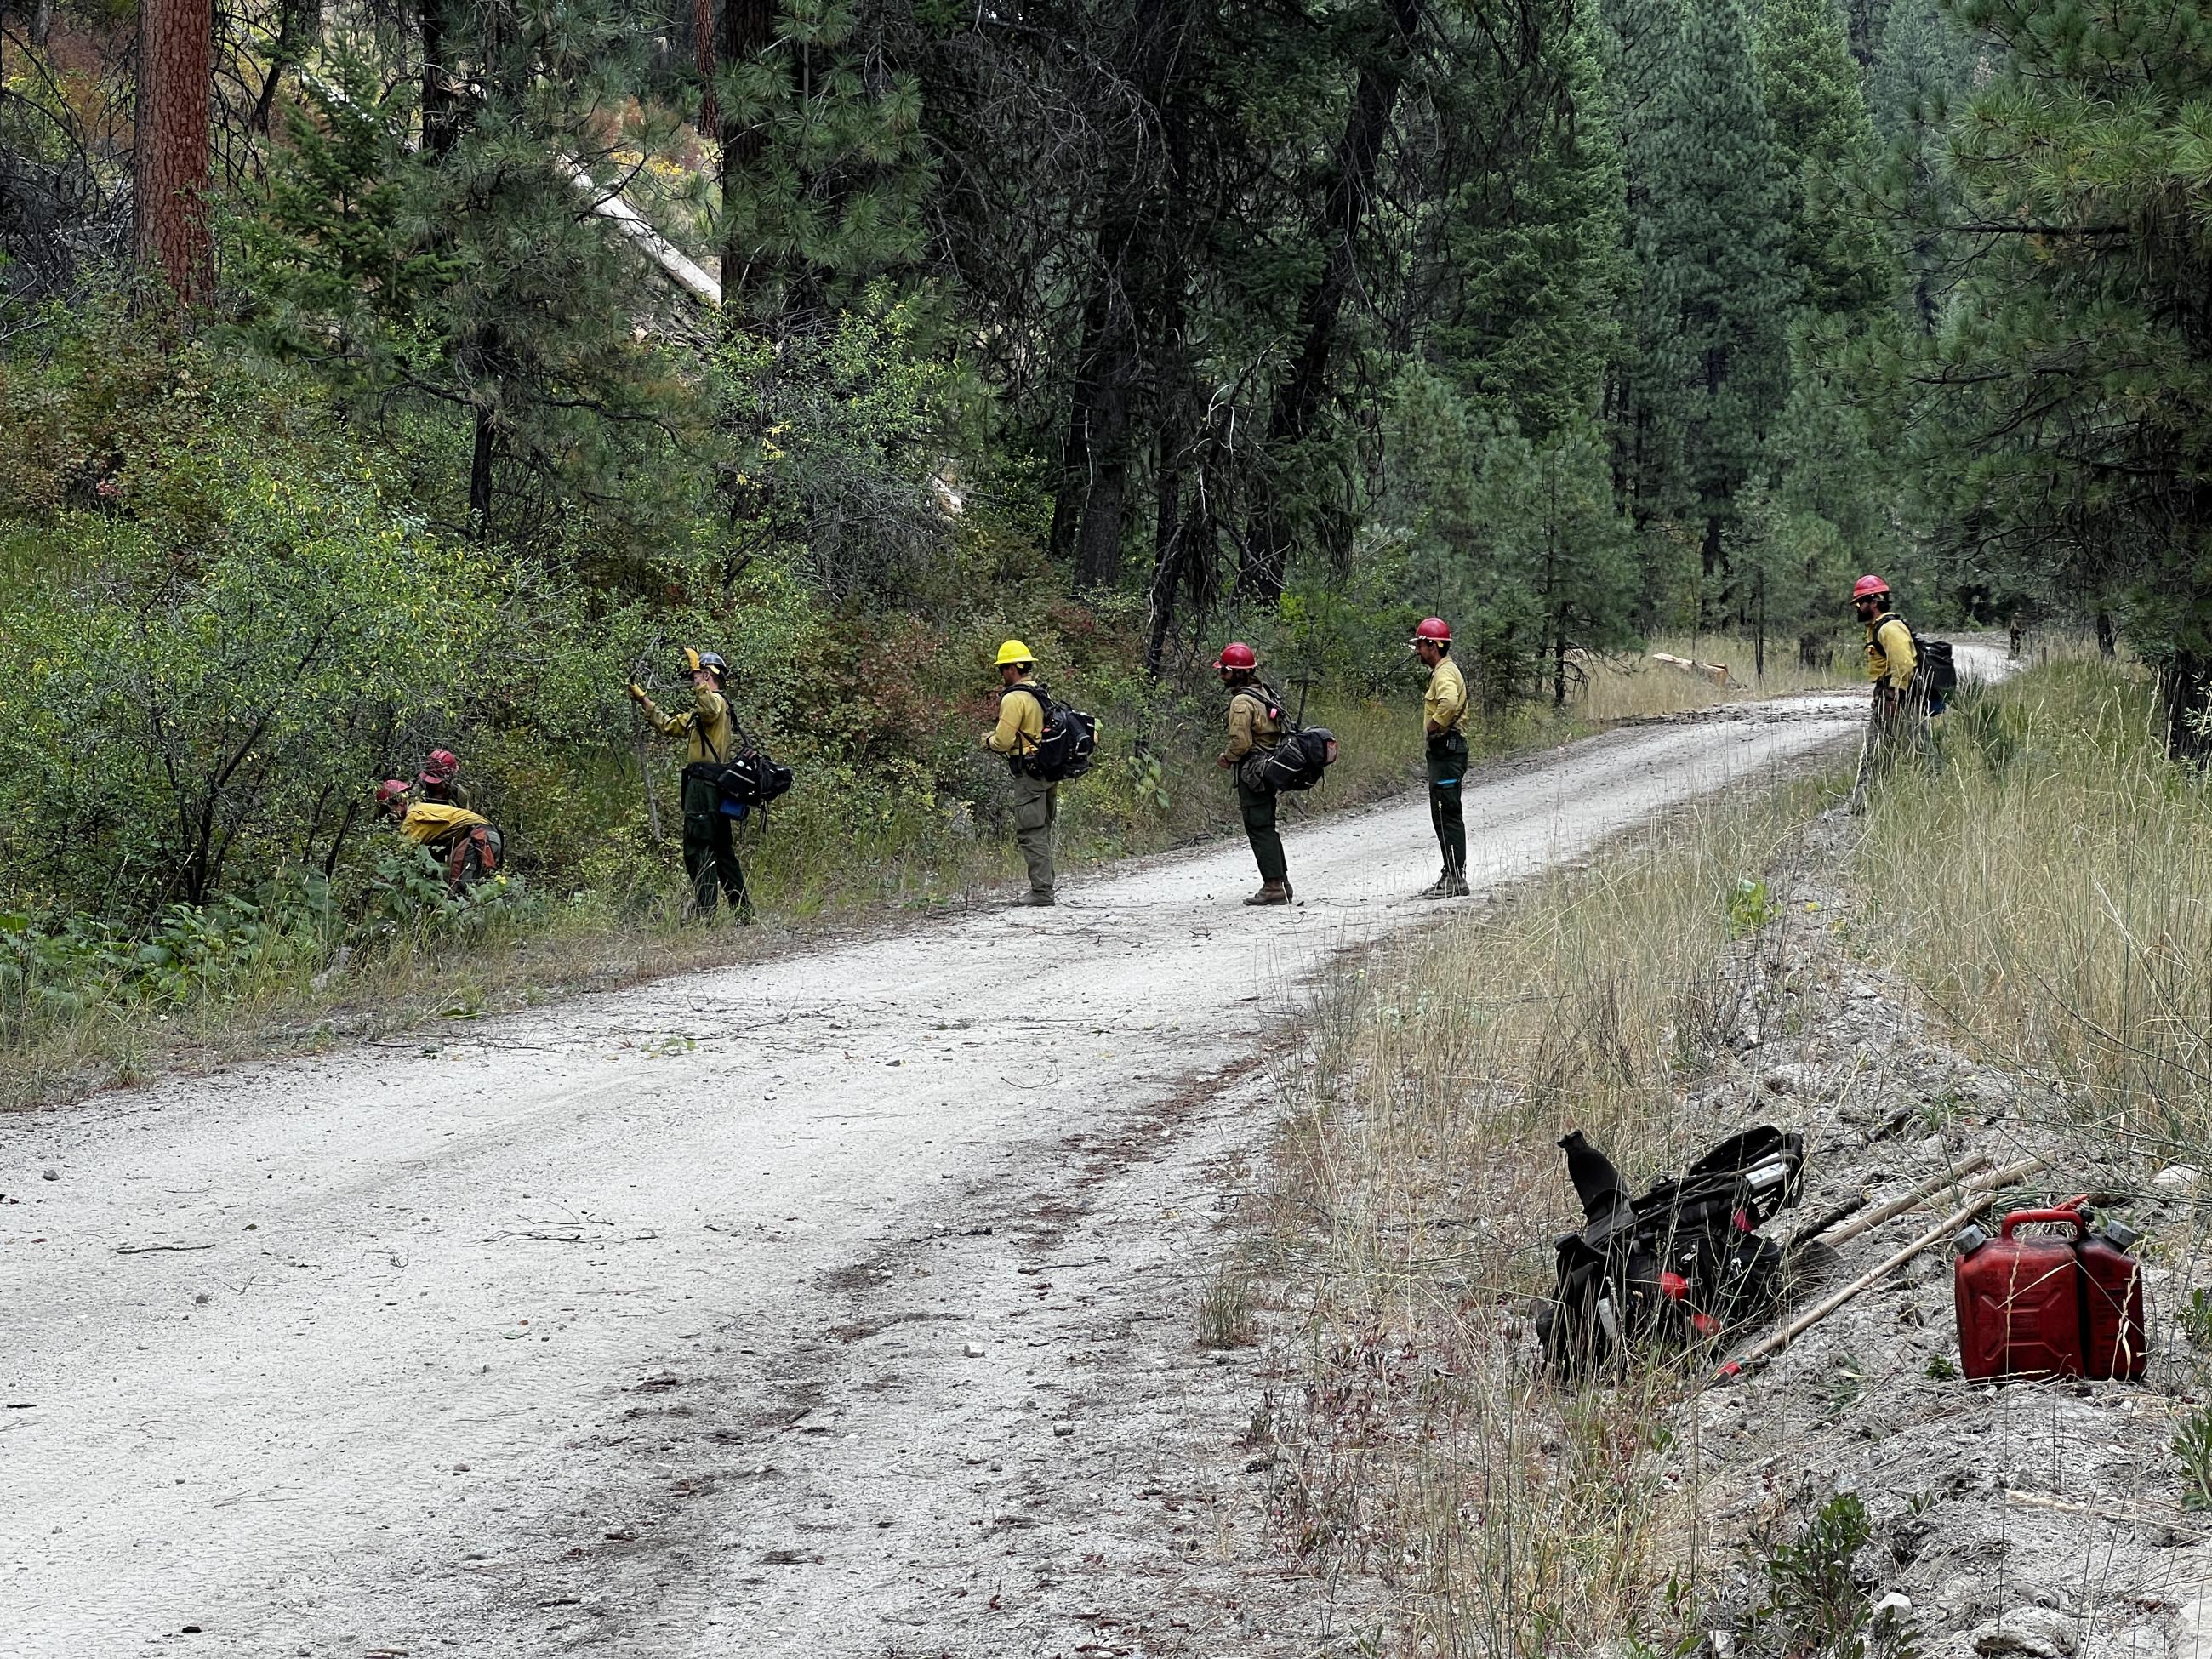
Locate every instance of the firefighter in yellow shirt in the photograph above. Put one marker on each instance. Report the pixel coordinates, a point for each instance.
(1898, 724)
(1444, 713)
(468, 843)
(710, 742)
(1036, 801)
(1254, 730)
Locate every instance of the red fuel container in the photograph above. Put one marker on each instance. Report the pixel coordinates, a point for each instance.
(2112, 1285)
(2020, 1302)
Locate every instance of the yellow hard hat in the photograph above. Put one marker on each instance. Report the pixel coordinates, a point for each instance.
(1013, 651)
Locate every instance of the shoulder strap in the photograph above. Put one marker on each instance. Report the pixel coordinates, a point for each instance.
(1271, 700)
(737, 745)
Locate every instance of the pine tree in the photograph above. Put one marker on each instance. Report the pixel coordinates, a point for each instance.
(1711, 366)
(1811, 89)
(822, 172)
(1921, 68)
(2067, 403)
(459, 273)
(1537, 283)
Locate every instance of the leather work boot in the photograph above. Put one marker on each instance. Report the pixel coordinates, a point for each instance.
(1273, 893)
(1037, 896)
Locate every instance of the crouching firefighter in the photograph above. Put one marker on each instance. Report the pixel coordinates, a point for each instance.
(1444, 711)
(467, 843)
(710, 738)
(439, 780)
(1255, 725)
(1036, 801)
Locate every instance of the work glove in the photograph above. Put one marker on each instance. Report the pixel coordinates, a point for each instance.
(636, 692)
(690, 661)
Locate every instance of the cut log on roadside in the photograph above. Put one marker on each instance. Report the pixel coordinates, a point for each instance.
(1716, 672)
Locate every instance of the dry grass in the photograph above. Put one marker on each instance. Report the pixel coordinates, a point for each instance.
(2050, 891)
(1418, 1192)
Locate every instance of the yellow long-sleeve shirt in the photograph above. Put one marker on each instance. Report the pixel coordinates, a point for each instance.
(711, 733)
(1890, 655)
(428, 821)
(1444, 704)
(1250, 726)
(1021, 721)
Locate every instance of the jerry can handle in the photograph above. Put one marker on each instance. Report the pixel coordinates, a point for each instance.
(2074, 1215)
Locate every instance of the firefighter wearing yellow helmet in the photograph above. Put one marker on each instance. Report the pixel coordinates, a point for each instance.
(1037, 801)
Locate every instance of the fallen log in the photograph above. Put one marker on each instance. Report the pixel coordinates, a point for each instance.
(1716, 672)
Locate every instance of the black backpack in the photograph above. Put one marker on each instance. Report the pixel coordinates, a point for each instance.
(1675, 1267)
(1302, 754)
(1070, 740)
(1937, 674)
(1937, 671)
(752, 779)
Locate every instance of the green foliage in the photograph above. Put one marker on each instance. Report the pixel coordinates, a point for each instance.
(1750, 907)
(220, 693)
(2194, 1317)
(823, 186)
(52, 974)
(839, 436)
(453, 282)
(1811, 90)
(2192, 1449)
(1539, 277)
(1815, 1604)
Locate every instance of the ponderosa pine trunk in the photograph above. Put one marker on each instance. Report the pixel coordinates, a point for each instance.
(1344, 213)
(172, 145)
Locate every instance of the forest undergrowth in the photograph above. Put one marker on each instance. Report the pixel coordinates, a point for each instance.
(2042, 903)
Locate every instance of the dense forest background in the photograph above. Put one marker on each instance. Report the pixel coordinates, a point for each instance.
(378, 375)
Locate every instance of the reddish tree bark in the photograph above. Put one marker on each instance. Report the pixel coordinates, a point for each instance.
(171, 146)
(707, 22)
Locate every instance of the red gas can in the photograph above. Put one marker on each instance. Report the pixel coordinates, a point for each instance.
(2020, 1301)
(2118, 1344)
(2050, 1304)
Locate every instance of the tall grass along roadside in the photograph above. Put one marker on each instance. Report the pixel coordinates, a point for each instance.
(1418, 1189)
(2050, 890)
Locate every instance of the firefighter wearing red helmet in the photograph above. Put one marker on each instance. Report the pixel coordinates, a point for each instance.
(439, 780)
(468, 844)
(1255, 725)
(1899, 722)
(1444, 713)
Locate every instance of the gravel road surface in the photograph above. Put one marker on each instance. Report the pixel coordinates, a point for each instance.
(837, 1304)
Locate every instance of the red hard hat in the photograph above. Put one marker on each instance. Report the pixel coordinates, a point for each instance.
(390, 792)
(1237, 655)
(1435, 628)
(1873, 585)
(441, 767)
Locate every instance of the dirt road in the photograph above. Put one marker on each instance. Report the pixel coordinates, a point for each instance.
(840, 1304)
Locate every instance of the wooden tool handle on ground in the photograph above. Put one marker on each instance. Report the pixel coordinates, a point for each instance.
(1986, 1187)
(1928, 1188)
